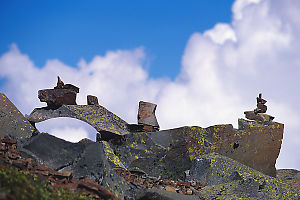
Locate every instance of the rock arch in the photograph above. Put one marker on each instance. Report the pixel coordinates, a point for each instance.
(97, 116)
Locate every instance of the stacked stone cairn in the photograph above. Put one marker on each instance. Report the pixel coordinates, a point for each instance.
(259, 113)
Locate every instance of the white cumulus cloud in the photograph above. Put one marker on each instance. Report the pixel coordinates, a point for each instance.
(223, 70)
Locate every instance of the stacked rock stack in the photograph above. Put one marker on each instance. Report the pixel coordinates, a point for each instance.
(259, 113)
(61, 94)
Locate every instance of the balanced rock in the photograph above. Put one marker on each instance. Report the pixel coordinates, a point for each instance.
(62, 94)
(146, 115)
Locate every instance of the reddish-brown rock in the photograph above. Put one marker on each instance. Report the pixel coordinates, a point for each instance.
(146, 114)
(62, 94)
(92, 100)
(57, 97)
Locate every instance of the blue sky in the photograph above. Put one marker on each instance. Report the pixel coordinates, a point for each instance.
(202, 62)
(70, 30)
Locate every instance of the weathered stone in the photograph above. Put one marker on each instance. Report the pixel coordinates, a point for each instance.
(146, 114)
(61, 85)
(97, 116)
(155, 194)
(254, 144)
(62, 94)
(92, 160)
(217, 171)
(259, 117)
(92, 100)
(261, 108)
(12, 122)
(57, 97)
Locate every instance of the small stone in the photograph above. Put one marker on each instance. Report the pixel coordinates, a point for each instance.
(92, 100)
(170, 188)
(189, 191)
(2, 147)
(148, 128)
(9, 141)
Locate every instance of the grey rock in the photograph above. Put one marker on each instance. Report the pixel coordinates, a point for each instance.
(12, 121)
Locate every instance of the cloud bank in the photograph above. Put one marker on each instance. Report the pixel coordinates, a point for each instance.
(223, 70)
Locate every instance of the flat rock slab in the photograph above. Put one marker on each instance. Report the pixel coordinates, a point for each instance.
(97, 116)
(228, 179)
(12, 121)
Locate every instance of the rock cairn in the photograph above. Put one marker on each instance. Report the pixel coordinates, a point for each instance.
(259, 113)
(61, 94)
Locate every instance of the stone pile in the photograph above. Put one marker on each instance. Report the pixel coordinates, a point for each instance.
(62, 94)
(259, 113)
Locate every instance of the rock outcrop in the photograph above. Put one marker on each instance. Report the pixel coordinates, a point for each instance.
(12, 121)
(137, 161)
(254, 144)
(228, 179)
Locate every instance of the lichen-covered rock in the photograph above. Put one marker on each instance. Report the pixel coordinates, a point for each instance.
(84, 159)
(12, 121)
(228, 178)
(256, 145)
(97, 116)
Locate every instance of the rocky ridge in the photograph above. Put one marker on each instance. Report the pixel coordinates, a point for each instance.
(137, 161)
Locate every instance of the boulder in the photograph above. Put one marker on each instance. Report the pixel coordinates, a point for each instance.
(228, 179)
(83, 159)
(12, 121)
(256, 145)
